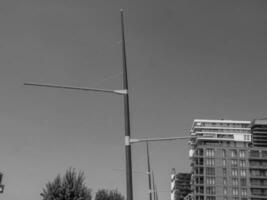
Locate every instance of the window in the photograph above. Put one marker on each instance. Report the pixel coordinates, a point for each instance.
(264, 163)
(254, 163)
(247, 137)
(256, 192)
(255, 172)
(199, 190)
(255, 182)
(224, 181)
(243, 172)
(199, 152)
(235, 191)
(224, 171)
(199, 198)
(242, 163)
(210, 190)
(243, 182)
(210, 161)
(242, 153)
(223, 153)
(210, 171)
(199, 170)
(234, 163)
(235, 181)
(233, 153)
(210, 180)
(244, 192)
(225, 190)
(199, 161)
(224, 162)
(234, 172)
(199, 180)
(241, 144)
(254, 153)
(210, 152)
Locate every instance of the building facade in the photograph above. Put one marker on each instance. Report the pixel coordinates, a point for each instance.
(258, 160)
(220, 159)
(180, 185)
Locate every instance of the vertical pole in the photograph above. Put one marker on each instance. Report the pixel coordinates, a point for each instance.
(154, 186)
(156, 190)
(148, 171)
(128, 154)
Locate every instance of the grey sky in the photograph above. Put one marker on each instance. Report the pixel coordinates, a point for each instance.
(186, 60)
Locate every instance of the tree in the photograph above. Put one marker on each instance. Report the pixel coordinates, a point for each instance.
(69, 187)
(108, 195)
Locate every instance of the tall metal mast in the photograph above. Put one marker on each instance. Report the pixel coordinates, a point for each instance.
(148, 171)
(124, 92)
(128, 154)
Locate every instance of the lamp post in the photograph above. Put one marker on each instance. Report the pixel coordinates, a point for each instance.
(148, 171)
(124, 92)
(128, 154)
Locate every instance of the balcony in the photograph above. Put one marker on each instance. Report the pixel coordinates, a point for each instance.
(258, 177)
(256, 197)
(263, 194)
(254, 154)
(257, 167)
(258, 173)
(258, 186)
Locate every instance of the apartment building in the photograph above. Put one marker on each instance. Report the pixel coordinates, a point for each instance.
(258, 160)
(180, 185)
(220, 159)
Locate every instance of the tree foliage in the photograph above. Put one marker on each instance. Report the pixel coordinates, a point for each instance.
(108, 195)
(69, 187)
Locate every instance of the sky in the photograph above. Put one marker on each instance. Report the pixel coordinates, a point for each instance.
(186, 60)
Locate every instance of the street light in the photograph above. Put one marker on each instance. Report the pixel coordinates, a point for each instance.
(148, 171)
(124, 92)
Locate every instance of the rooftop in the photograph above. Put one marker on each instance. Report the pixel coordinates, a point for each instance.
(223, 121)
(259, 122)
